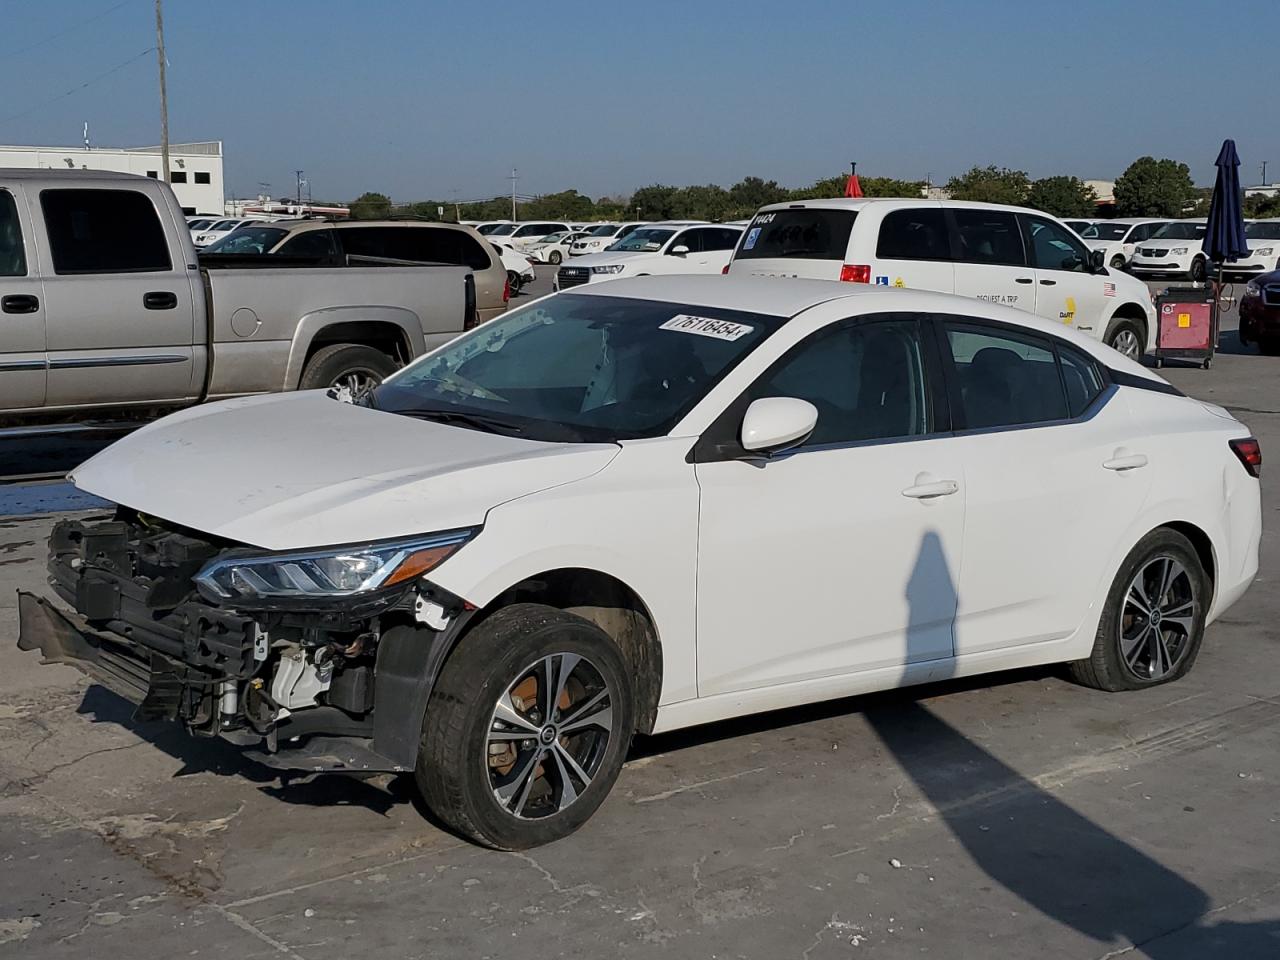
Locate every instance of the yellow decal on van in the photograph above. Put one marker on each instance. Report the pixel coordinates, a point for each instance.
(1068, 316)
(897, 282)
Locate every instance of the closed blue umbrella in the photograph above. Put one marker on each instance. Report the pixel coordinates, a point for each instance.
(1224, 234)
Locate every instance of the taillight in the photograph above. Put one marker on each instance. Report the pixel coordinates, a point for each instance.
(1250, 453)
(506, 289)
(856, 273)
(726, 269)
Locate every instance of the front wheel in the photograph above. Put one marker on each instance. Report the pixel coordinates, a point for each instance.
(1126, 337)
(1269, 346)
(1198, 270)
(526, 729)
(1117, 263)
(555, 256)
(1153, 620)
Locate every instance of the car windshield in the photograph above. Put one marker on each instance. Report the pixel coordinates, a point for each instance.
(1180, 231)
(1263, 231)
(552, 238)
(578, 368)
(1106, 231)
(503, 230)
(199, 224)
(248, 240)
(644, 240)
(485, 229)
(604, 230)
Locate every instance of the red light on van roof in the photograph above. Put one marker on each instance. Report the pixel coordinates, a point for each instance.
(856, 273)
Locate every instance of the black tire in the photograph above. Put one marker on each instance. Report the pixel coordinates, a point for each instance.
(455, 770)
(1127, 332)
(1117, 263)
(1107, 668)
(514, 282)
(555, 256)
(332, 364)
(1198, 270)
(1269, 346)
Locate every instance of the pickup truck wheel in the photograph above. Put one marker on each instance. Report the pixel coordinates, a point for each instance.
(347, 366)
(526, 728)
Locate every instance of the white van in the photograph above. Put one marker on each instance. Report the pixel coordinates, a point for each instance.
(1019, 257)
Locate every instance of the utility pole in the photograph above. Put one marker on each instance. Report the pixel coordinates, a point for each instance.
(164, 94)
(1264, 173)
(513, 178)
(298, 175)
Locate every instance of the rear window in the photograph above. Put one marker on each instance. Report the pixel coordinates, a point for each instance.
(802, 233)
(416, 244)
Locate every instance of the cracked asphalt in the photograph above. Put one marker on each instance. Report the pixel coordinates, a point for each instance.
(1013, 815)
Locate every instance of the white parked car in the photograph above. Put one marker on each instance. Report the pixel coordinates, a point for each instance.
(655, 249)
(1007, 255)
(486, 227)
(1079, 226)
(521, 236)
(643, 506)
(519, 267)
(216, 231)
(1117, 239)
(1173, 250)
(602, 236)
(554, 248)
(198, 224)
(1264, 249)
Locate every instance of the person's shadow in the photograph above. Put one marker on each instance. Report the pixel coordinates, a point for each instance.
(1058, 861)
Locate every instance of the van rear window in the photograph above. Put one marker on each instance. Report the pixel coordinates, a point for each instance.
(803, 233)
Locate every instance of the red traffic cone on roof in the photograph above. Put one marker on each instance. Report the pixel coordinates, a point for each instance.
(851, 186)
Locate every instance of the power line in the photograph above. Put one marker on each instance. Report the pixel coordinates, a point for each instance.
(76, 89)
(62, 33)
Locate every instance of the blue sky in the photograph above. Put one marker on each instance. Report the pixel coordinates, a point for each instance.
(421, 99)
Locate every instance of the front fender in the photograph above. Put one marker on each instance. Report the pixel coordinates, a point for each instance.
(314, 322)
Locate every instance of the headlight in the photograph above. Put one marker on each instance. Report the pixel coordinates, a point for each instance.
(1179, 251)
(1251, 290)
(612, 268)
(338, 572)
(1264, 251)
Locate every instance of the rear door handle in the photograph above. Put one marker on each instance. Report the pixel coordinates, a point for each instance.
(1049, 283)
(931, 489)
(1023, 280)
(1124, 462)
(20, 303)
(160, 300)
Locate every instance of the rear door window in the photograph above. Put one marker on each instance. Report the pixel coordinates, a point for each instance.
(13, 256)
(914, 235)
(104, 231)
(1003, 379)
(989, 236)
(803, 233)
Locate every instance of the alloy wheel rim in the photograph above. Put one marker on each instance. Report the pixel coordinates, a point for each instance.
(352, 383)
(1157, 618)
(1126, 342)
(548, 736)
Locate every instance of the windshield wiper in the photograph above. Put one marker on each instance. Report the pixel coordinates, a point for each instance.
(463, 418)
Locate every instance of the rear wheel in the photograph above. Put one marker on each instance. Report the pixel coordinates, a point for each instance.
(515, 282)
(1117, 262)
(1153, 620)
(350, 367)
(1127, 337)
(1269, 346)
(526, 729)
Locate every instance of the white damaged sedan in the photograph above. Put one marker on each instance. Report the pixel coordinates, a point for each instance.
(641, 506)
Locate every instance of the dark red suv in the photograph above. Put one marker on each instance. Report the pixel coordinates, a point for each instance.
(1260, 313)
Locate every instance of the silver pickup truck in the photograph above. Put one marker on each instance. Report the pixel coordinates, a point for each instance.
(105, 308)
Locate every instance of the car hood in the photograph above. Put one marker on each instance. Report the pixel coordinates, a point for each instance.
(602, 259)
(300, 470)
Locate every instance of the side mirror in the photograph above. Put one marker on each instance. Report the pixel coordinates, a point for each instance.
(1097, 260)
(774, 424)
(679, 251)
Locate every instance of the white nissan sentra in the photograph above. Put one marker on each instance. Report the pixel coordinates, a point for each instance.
(644, 505)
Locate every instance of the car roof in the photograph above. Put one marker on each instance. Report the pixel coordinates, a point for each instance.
(1133, 221)
(894, 203)
(58, 173)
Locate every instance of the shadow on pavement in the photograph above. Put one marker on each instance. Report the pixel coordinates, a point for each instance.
(1040, 849)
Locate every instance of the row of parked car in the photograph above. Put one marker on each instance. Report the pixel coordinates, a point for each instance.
(1172, 248)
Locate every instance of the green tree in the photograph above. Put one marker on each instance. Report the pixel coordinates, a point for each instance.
(991, 185)
(1261, 208)
(704, 202)
(371, 206)
(1154, 188)
(565, 205)
(654, 202)
(751, 193)
(1063, 197)
(871, 187)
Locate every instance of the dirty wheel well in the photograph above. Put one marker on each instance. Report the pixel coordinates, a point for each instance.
(612, 606)
(384, 337)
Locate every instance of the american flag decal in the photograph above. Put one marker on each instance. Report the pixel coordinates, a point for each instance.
(1108, 289)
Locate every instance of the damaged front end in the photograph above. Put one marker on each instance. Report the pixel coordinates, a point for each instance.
(317, 660)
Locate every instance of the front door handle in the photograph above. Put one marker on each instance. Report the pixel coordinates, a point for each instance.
(1125, 461)
(926, 488)
(20, 303)
(1022, 280)
(160, 300)
(1049, 283)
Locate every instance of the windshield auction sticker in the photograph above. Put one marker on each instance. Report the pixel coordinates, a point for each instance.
(707, 327)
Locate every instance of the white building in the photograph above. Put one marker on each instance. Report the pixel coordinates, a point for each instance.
(195, 169)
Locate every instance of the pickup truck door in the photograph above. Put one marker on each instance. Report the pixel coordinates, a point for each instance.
(119, 309)
(22, 346)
